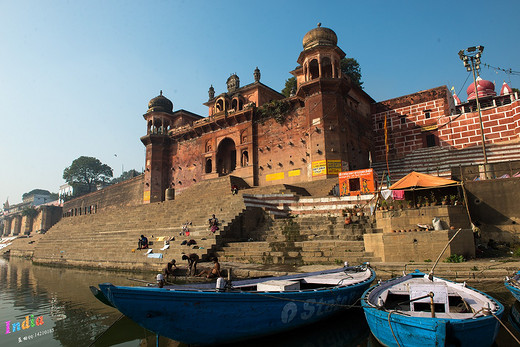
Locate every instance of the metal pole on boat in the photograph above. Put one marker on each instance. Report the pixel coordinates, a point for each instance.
(430, 275)
(432, 304)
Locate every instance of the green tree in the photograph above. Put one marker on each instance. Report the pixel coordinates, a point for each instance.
(126, 175)
(350, 67)
(515, 90)
(87, 172)
(290, 84)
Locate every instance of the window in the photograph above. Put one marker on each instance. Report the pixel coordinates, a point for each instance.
(427, 114)
(430, 140)
(403, 120)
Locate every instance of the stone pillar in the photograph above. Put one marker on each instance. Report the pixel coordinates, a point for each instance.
(8, 226)
(17, 225)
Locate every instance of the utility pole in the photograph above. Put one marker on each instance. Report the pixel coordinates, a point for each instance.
(471, 59)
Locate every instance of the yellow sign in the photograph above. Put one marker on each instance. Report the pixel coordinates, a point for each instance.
(319, 168)
(293, 173)
(146, 196)
(275, 176)
(429, 128)
(333, 167)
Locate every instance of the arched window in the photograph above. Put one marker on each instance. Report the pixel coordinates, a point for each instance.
(314, 70)
(326, 67)
(208, 147)
(244, 160)
(240, 104)
(219, 105)
(234, 105)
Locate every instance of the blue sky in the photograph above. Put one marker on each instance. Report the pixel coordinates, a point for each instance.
(76, 76)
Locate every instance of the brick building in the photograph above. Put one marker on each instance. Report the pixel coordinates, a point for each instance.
(328, 125)
(254, 132)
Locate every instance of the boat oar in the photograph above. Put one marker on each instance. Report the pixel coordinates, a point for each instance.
(430, 275)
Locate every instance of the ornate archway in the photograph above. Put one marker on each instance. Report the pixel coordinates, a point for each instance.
(226, 157)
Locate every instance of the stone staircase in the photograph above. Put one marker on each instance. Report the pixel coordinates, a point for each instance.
(301, 240)
(249, 232)
(109, 238)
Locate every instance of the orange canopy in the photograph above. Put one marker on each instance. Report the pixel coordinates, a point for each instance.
(417, 179)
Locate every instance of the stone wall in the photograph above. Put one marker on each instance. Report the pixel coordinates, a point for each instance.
(407, 219)
(127, 193)
(493, 207)
(419, 246)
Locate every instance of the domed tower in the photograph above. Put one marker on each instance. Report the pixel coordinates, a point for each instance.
(159, 120)
(323, 90)
(321, 56)
(485, 88)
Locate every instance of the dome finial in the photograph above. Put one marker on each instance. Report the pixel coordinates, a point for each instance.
(319, 24)
(160, 92)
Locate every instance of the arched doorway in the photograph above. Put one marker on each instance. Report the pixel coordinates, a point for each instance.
(226, 157)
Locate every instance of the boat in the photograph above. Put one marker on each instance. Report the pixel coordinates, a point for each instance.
(422, 310)
(513, 284)
(209, 313)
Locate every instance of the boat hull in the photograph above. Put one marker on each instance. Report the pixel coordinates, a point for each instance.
(211, 317)
(513, 288)
(396, 329)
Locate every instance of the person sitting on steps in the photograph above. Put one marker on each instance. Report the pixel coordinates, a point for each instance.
(214, 272)
(213, 224)
(142, 243)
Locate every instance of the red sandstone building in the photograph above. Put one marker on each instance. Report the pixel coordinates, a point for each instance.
(329, 125)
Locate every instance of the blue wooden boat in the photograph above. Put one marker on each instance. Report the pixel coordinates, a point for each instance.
(513, 284)
(204, 314)
(404, 312)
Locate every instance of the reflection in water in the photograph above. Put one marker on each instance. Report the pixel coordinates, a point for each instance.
(73, 317)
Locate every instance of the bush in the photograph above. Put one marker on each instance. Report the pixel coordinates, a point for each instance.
(455, 258)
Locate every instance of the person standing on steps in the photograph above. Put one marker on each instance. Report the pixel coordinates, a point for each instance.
(192, 259)
(170, 269)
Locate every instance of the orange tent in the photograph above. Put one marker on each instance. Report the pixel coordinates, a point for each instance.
(417, 179)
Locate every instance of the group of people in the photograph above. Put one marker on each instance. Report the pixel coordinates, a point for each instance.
(192, 259)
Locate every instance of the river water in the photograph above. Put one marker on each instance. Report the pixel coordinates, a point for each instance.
(56, 308)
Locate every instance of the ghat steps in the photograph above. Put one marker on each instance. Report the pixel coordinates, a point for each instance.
(108, 238)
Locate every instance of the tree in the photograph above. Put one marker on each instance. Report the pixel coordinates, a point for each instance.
(126, 175)
(87, 172)
(290, 84)
(350, 67)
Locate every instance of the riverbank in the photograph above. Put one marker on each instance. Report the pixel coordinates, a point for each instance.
(478, 270)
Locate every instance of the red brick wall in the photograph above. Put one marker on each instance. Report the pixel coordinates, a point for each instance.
(501, 123)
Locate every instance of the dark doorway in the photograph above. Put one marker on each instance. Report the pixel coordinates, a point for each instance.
(226, 157)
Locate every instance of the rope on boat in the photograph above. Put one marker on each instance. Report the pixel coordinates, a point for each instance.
(392, 329)
(97, 338)
(430, 275)
(509, 331)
